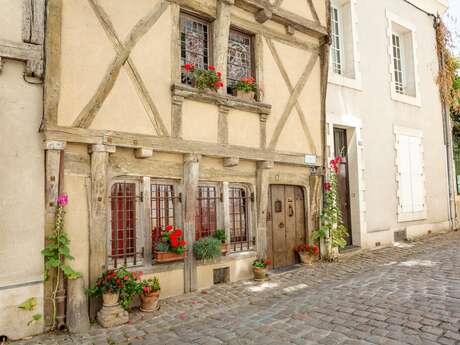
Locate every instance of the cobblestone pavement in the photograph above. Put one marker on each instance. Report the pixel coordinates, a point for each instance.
(407, 294)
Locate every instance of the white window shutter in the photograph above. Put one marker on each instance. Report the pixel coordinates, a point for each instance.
(405, 186)
(417, 177)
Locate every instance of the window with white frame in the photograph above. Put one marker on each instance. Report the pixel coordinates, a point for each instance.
(403, 64)
(411, 188)
(344, 64)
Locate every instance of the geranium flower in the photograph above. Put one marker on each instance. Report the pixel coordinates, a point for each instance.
(126, 278)
(327, 186)
(187, 67)
(219, 75)
(63, 199)
(219, 84)
(182, 243)
(169, 228)
(146, 289)
(211, 68)
(268, 262)
(315, 250)
(174, 242)
(178, 232)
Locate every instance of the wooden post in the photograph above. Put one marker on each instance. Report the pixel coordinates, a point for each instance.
(98, 216)
(53, 152)
(263, 170)
(146, 212)
(191, 177)
(226, 209)
(221, 33)
(222, 128)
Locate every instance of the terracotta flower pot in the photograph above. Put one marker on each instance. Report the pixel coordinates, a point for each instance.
(149, 303)
(247, 96)
(259, 273)
(168, 256)
(306, 258)
(110, 299)
(224, 248)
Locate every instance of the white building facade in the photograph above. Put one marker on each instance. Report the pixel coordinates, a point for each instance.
(384, 117)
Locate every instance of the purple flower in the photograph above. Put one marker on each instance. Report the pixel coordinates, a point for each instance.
(63, 199)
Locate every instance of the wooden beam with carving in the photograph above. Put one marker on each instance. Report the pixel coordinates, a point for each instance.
(169, 144)
(89, 112)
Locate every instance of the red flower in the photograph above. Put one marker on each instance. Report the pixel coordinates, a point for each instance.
(315, 250)
(219, 74)
(327, 186)
(118, 281)
(126, 278)
(219, 84)
(174, 242)
(211, 68)
(187, 67)
(182, 243)
(146, 289)
(268, 262)
(169, 228)
(178, 233)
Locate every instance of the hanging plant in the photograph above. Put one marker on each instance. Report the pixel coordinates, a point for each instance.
(332, 229)
(57, 252)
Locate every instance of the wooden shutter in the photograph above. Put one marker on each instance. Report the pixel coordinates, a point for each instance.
(411, 190)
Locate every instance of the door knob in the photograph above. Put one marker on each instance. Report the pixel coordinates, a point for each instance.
(291, 211)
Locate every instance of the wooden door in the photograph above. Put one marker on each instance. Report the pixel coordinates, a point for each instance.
(285, 224)
(343, 181)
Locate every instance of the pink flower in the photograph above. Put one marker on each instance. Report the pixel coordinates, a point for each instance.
(327, 186)
(63, 199)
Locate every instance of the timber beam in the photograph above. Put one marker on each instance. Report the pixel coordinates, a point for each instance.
(169, 144)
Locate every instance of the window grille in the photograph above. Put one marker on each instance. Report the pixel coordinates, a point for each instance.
(162, 209)
(240, 58)
(205, 215)
(336, 43)
(124, 238)
(397, 64)
(239, 221)
(195, 44)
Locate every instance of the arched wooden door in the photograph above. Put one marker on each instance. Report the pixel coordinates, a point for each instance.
(285, 224)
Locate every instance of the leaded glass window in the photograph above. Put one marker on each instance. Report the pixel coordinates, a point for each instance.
(195, 44)
(240, 58)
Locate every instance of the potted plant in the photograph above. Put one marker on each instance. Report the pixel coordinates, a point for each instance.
(307, 253)
(246, 88)
(171, 247)
(115, 287)
(149, 293)
(222, 237)
(259, 267)
(204, 79)
(207, 248)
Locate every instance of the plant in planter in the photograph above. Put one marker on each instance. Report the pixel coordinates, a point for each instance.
(207, 248)
(116, 287)
(307, 253)
(171, 247)
(149, 293)
(222, 237)
(204, 79)
(246, 88)
(332, 232)
(259, 267)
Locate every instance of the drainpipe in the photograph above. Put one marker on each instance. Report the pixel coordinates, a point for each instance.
(61, 293)
(448, 144)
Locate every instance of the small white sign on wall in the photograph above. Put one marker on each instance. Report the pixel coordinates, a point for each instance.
(310, 159)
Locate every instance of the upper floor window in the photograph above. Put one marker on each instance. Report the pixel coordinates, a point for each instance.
(195, 43)
(336, 41)
(240, 62)
(344, 45)
(403, 67)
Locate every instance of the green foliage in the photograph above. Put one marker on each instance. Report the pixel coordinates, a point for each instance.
(247, 85)
(162, 247)
(147, 286)
(207, 248)
(261, 263)
(332, 227)
(29, 304)
(35, 318)
(119, 281)
(204, 79)
(221, 235)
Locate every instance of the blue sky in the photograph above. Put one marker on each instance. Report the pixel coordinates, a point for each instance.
(452, 19)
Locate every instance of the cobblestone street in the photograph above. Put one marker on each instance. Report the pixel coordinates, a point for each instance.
(407, 294)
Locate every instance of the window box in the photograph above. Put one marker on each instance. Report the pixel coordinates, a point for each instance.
(161, 257)
(191, 93)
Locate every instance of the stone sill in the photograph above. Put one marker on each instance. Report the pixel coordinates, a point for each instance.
(229, 257)
(188, 92)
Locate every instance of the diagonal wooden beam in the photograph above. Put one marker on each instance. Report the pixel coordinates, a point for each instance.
(149, 105)
(285, 76)
(87, 115)
(313, 11)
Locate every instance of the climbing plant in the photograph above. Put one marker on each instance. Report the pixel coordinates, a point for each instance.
(332, 229)
(57, 251)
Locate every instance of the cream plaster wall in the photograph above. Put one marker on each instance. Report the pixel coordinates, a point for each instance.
(22, 199)
(171, 282)
(379, 113)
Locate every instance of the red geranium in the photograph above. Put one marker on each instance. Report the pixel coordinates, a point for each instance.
(327, 186)
(187, 67)
(211, 68)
